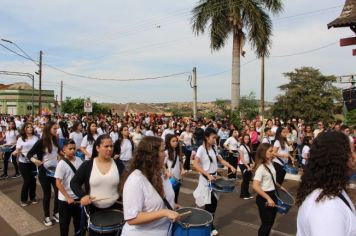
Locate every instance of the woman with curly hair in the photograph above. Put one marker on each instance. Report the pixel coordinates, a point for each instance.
(148, 197)
(325, 207)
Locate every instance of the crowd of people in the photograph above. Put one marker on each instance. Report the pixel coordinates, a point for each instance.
(139, 160)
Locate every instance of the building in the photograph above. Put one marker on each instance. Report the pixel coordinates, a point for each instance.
(16, 99)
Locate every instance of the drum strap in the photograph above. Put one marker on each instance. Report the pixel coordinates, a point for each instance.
(342, 197)
(248, 152)
(274, 182)
(70, 165)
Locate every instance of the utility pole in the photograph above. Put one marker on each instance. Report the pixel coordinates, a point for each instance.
(262, 85)
(40, 85)
(61, 98)
(194, 93)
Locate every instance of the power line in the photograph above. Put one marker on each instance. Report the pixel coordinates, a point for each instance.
(306, 52)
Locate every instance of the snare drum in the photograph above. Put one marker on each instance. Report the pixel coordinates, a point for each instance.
(50, 171)
(196, 224)
(284, 201)
(175, 183)
(223, 185)
(106, 221)
(6, 148)
(290, 169)
(80, 155)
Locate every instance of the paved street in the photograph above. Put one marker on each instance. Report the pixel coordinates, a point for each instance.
(234, 216)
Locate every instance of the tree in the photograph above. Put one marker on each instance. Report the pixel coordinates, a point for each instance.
(243, 19)
(309, 95)
(351, 117)
(76, 105)
(249, 106)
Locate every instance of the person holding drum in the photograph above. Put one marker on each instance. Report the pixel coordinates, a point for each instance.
(246, 164)
(325, 206)
(10, 137)
(65, 171)
(87, 144)
(281, 153)
(27, 168)
(46, 149)
(264, 185)
(232, 145)
(205, 163)
(173, 163)
(101, 178)
(148, 197)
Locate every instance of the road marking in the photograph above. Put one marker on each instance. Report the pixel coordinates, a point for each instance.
(19, 220)
(256, 227)
(190, 180)
(186, 190)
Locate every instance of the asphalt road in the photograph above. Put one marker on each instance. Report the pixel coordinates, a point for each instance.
(234, 216)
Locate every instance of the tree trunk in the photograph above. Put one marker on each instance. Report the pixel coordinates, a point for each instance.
(262, 85)
(235, 79)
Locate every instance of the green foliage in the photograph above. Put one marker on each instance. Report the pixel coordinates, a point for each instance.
(76, 105)
(309, 95)
(351, 117)
(248, 106)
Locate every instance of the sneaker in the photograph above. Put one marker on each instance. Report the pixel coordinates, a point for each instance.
(56, 217)
(214, 232)
(23, 204)
(47, 221)
(250, 197)
(246, 198)
(34, 201)
(16, 176)
(4, 176)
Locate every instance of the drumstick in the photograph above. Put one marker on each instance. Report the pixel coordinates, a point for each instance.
(185, 213)
(95, 200)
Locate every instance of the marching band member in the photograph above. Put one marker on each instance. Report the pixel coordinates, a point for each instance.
(205, 163)
(46, 149)
(324, 205)
(148, 197)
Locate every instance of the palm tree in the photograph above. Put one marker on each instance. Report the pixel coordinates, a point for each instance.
(244, 19)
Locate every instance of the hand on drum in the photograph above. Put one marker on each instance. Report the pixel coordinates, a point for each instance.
(70, 200)
(233, 170)
(177, 206)
(172, 215)
(270, 203)
(211, 178)
(86, 200)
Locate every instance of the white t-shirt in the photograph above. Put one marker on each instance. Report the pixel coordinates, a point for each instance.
(327, 217)
(25, 147)
(187, 138)
(114, 136)
(210, 167)
(274, 131)
(232, 144)
(149, 133)
(140, 196)
(11, 137)
(50, 160)
(136, 138)
(165, 132)
(104, 186)
(245, 155)
(176, 169)
(77, 138)
(264, 177)
(60, 134)
(126, 150)
(266, 140)
(88, 146)
(305, 153)
(65, 173)
(282, 151)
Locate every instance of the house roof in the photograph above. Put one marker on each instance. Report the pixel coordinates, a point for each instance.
(15, 86)
(347, 17)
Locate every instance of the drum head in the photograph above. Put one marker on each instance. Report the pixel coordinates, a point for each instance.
(199, 217)
(285, 197)
(107, 218)
(221, 183)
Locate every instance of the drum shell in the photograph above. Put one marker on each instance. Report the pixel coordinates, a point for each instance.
(291, 169)
(114, 227)
(6, 149)
(284, 204)
(223, 188)
(175, 183)
(201, 229)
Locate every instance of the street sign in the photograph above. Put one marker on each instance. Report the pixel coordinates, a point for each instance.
(88, 106)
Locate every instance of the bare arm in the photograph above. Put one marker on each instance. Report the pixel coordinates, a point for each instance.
(257, 187)
(148, 217)
(63, 191)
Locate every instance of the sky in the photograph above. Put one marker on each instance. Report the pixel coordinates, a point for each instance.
(134, 39)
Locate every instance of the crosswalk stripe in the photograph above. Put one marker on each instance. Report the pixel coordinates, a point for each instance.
(19, 220)
(256, 227)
